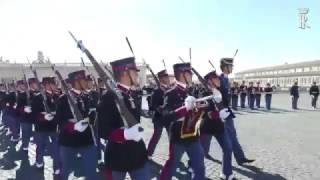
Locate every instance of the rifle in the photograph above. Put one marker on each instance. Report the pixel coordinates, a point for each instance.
(128, 119)
(235, 54)
(28, 87)
(211, 64)
(42, 91)
(152, 73)
(94, 79)
(72, 103)
(205, 85)
(185, 79)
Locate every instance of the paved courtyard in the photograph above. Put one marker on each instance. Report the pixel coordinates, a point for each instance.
(285, 144)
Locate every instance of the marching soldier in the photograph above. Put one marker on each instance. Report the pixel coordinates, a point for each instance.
(2, 104)
(212, 125)
(126, 151)
(157, 107)
(45, 122)
(234, 95)
(24, 114)
(76, 135)
(94, 96)
(268, 95)
(294, 92)
(226, 66)
(251, 95)
(11, 115)
(314, 93)
(184, 127)
(243, 94)
(258, 91)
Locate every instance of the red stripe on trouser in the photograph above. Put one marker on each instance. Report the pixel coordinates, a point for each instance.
(152, 142)
(166, 168)
(108, 174)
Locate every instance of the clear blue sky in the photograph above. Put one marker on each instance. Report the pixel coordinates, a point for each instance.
(265, 32)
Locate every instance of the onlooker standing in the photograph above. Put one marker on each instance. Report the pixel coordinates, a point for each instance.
(294, 92)
(314, 93)
(268, 95)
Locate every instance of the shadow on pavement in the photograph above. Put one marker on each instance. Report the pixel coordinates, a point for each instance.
(253, 173)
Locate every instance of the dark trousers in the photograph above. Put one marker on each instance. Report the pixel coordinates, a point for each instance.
(88, 158)
(232, 134)
(157, 132)
(26, 133)
(243, 100)
(138, 174)
(258, 100)
(225, 144)
(314, 101)
(14, 126)
(234, 102)
(42, 140)
(268, 98)
(295, 102)
(195, 153)
(251, 101)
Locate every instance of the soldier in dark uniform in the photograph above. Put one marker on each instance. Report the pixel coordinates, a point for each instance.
(24, 114)
(268, 95)
(226, 66)
(11, 114)
(43, 111)
(157, 107)
(94, 96)
(258, 91)
(234, 95)
(243, 94)
(2, 105)
(294, 92)
(183, 129)
(314, 93)
(126, 151)
(251, 95)
(212, 125)
(76, 136)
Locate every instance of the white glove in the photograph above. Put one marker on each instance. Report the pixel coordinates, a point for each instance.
(190, 102)
(48, 117)
(133, 133)
(291, 96)
(217, 96)
(312, 96)
(27, 109)
(7, 104)
(81, 125)
(224, 113)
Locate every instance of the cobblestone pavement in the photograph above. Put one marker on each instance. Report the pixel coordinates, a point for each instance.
(284, 142)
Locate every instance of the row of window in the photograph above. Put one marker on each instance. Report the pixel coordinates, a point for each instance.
(286, 81)
(284, 71)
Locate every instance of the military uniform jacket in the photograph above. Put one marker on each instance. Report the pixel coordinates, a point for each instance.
(294, 91)
(21, 103)
(10, 102)
(183, 127)
(67, 135)
(243, 89)
(121, 154)
(268, 91)
(211, 122)
(234, 91)
(251, 90)
(314, 90)
(38, 112)
(2, 99)
(157, 100)
(258, 90)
